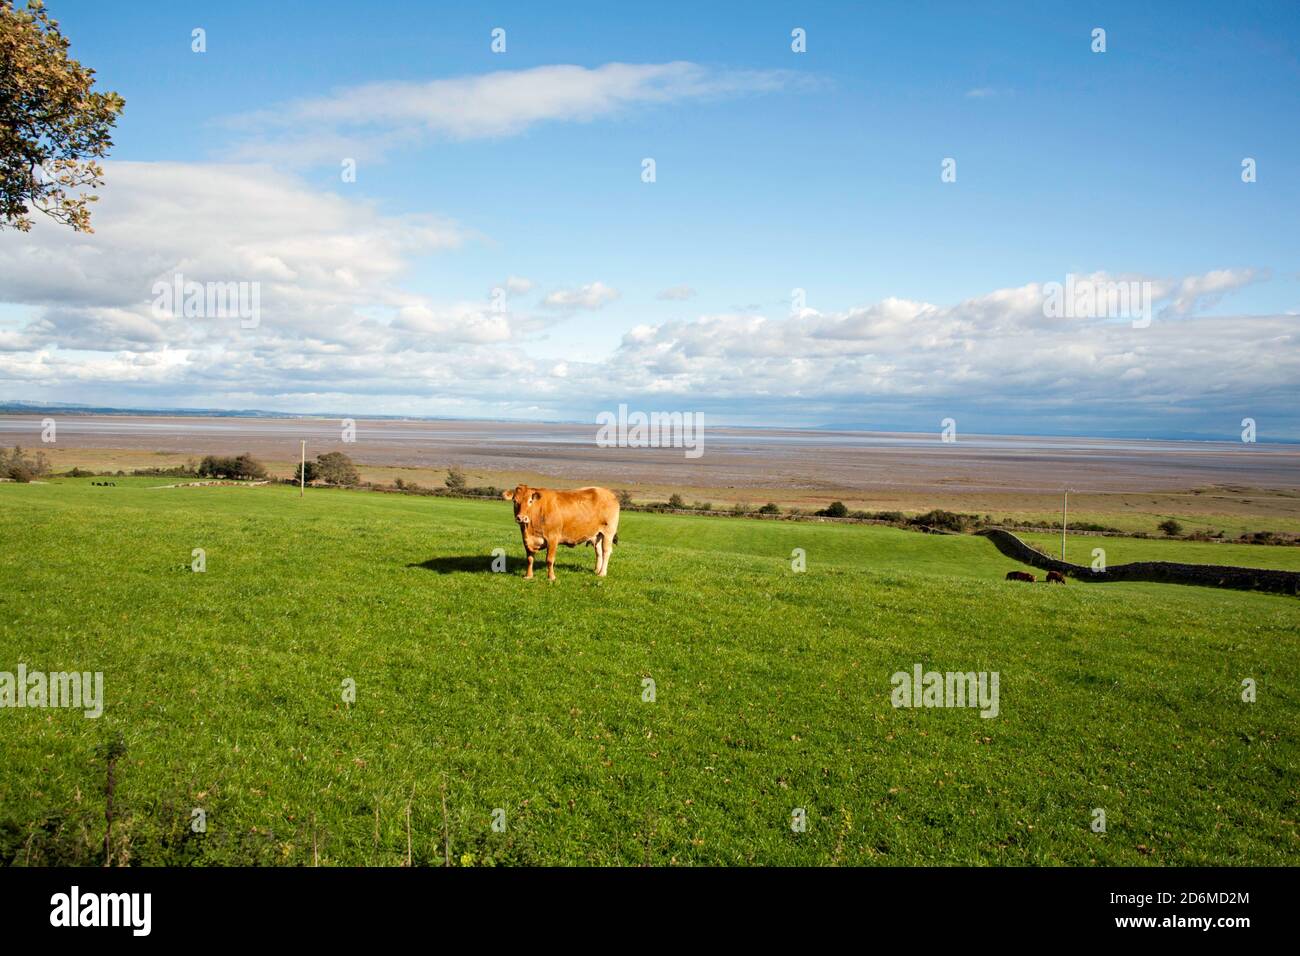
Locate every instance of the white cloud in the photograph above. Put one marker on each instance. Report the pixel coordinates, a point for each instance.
(678, 293)
(996, 349)
(327, 269)
(1194, 293)
(591, 296)
(319, 260)
(461, 322)
(367, 121)
(338, 327)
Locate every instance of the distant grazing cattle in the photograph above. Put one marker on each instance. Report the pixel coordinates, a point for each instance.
(1020, 576)
(548, 519)
(1056, 576)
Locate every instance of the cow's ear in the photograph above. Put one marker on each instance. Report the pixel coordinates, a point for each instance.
(507, 494)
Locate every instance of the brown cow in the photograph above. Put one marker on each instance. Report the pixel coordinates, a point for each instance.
(1020, 576)
(550, 518)
(1056, 576)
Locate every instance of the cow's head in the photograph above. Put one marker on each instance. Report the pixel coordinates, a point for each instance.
(524, 499)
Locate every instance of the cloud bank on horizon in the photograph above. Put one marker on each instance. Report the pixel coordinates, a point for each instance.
(337, 330)
(408, 301)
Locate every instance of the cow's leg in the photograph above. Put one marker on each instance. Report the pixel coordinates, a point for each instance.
(551, 547)
(609, 549)
(600, 552)
(531, 552)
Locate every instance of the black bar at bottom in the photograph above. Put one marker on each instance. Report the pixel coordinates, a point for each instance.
(335, 905)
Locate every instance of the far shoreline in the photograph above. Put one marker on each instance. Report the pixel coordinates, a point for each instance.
(24, 410)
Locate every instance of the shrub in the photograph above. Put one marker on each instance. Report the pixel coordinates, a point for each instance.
(1170, 527)
(1090, 526)
(625, 498)
(769, 509)
(19, 467)
(944, 520)
(455, 480)
(244, 466)
(1260, 537)
(249, 467)
(836, 509)
(176, 471)
(676, 501)
(336, 468)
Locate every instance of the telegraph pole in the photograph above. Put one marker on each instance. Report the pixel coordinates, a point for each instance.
(1065, 513)
(302, 476)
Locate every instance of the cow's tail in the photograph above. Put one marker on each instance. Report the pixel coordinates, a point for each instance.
(616, 537)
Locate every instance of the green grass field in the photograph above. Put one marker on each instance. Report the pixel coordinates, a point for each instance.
(477, 691)
(1120, 550)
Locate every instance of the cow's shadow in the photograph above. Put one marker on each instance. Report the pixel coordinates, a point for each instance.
(466, 564)
(482, 564)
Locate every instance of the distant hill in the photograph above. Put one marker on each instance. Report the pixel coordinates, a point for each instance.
(73, 408)
(67, 408)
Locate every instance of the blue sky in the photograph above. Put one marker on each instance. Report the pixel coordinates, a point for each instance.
(774, 171)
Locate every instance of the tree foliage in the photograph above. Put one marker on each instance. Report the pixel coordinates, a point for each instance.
(456, 479)
(336, 468)
(53, 126)
(21, 467)
(243, 466)
(333, 468)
